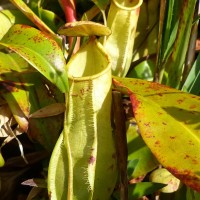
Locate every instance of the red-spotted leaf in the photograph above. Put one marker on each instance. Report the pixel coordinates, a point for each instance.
(40, 50)
(169, 121)
(27, 91)
(21, 5)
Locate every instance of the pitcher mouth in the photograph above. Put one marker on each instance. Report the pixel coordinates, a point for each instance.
(92, 77)
(84, 71)
(133, 4)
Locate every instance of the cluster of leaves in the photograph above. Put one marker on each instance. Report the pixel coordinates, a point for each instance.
(33, 78)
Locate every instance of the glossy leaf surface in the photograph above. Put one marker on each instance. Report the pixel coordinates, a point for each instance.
(40, 50)
(21, 5)
(175, 123)
(191, 84)
(26, 91)
(102, 4)
(17, 17)
(140, 153)
(5, 24)
(141, 189)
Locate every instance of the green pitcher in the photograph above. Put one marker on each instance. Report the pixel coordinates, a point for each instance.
(83, 164)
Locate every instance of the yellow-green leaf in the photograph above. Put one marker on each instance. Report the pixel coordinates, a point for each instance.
(40, 50)
(169, 121)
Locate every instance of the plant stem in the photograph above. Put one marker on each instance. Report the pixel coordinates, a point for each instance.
(69, 7)
(121, 144)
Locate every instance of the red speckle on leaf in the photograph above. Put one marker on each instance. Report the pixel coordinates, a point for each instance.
(157, 143)
(164, 123)
(37, 39)
(25, 26)
(92, 159)
(186, 177)
(179, 101)
(147, 124)
(186, 156)
(190, 143)
(172, 137)
(135, 102)
(157, 86)
(192, 106)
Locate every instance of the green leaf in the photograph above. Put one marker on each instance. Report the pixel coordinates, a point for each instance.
(22, 86)
(169, 122)
(147, 30)
(2, 162)
(102, 4)
(51, 19)
(40, 50)
(176, 61)
(31, 15)
(17, 17)
(192, 195)
(5, 24)
(11, 64)
(144, 70)
(138, 151)
(47, 16)
(42, 95)
(191, 84)
(142, 189)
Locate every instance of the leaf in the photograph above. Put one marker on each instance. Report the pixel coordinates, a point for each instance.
(174, 65)
(144, 70)
(32, 16)
(47, 16)
(5, 115)
(192, 195)
(51, 19)
(102, 4)
(2, 162)
(84, 28)
(147, 30)
(162, 175)
(138, 151)
(5, 24)
(40, 50)
(13, 91)
(35, 182)
(44, 130)
(191, 84)
(11, 65)
(17, 17)
(28, 87)
(48, 111)
(169, 122)
(142, 189)
(17, 99)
